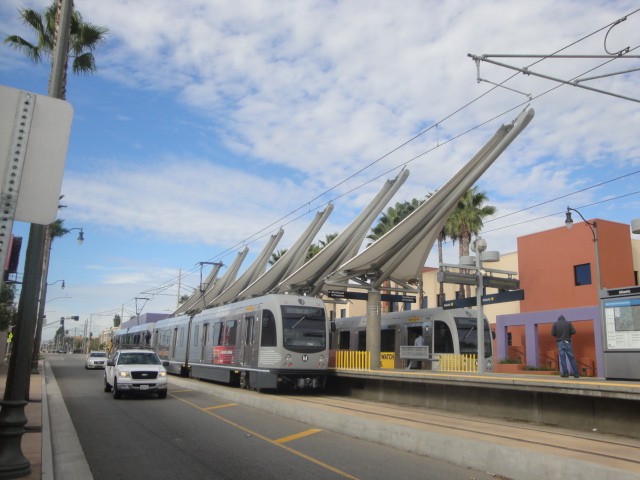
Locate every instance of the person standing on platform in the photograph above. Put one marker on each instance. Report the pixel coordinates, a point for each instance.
(563, 330)
(418, 342)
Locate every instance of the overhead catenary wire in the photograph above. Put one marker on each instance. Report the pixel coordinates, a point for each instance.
(306, 207)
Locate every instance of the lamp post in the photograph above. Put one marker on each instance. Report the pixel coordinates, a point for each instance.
(593, 226)
(479, 246)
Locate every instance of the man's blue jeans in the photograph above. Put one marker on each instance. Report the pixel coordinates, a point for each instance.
(565, 353)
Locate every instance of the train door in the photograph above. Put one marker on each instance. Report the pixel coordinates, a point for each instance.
(203, 343)
(249, 345)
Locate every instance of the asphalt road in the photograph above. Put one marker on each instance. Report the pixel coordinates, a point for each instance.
(195, 435)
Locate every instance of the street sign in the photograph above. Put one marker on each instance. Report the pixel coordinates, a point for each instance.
(41, 146)
(510, 296)
(347, 295)
(385, 297)
(445, 276)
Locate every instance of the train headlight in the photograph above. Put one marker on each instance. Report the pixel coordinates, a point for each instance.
(287, 361)
(322, 362)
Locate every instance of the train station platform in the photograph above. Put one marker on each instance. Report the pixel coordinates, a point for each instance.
(586, 403)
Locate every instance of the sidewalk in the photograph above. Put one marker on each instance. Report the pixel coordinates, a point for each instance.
(32, 438)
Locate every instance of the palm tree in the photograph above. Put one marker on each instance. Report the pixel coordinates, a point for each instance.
(392, 217)
(315, 248)
(84, 38)
(389, 219)
(467, 220)
(275, 256)
(53, 230)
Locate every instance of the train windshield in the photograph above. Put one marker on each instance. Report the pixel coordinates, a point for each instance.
(468, 336)
(304, 328)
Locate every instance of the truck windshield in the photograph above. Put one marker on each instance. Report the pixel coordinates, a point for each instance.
(304, 328)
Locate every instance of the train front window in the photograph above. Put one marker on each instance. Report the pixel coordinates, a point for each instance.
(304, 328)
(468, 336)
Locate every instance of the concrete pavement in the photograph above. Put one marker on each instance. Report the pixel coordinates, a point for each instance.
(511, 449)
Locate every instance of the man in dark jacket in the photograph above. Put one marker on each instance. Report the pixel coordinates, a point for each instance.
(563, 330)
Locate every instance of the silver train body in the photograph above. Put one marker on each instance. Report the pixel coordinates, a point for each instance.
(444, 331)
(137, 336)
(273, 341)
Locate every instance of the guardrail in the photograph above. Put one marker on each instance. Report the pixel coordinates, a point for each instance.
(351, 360)
(450, 362)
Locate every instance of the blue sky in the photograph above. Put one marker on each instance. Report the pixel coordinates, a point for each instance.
(209, 122)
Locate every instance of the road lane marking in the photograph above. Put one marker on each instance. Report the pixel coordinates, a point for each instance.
(215, 407)
(296, 436)
(268, 440)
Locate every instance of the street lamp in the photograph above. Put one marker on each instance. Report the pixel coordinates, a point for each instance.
(593, 226)
(80, 234)
(58, 281)
(479, 245)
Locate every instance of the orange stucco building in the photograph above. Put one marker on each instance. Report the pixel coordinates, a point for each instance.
(558, 271)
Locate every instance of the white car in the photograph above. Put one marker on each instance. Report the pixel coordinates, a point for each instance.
(135, 371)
(95, 359)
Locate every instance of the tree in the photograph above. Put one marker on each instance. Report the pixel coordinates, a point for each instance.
(392, 217)
(84, 38)
(389, 219)
(467, 220)
(275, 256)
(7, 306)
(315, 248)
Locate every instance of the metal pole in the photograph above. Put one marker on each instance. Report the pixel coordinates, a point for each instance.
(374, 328)
(479, 311)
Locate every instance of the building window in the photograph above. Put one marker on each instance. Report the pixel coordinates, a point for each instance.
(582, 274)
(343, 312)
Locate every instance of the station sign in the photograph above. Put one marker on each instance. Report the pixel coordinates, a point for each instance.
(385, 297)
(501, 297)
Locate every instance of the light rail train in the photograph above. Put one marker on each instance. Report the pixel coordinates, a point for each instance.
(273, 341)
(444, 331)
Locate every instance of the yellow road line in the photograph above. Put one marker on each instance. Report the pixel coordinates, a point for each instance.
(215, 407)
(296, 436)
(272, 442)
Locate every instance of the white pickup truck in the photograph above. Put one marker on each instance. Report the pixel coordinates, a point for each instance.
(135, 371)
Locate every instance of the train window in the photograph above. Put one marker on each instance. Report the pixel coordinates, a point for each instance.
(468, 335)
(304, 328)
(442, 339)
(195, 335)
(230, 329)
(343, 340)
(269, 337)
(362, 341)
(248, 326)
(388, 340)
(217, 334)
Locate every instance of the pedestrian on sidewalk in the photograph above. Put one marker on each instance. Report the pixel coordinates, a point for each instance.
(563, 330)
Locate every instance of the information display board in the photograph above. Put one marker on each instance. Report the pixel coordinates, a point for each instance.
(622, 323)
(621, 333)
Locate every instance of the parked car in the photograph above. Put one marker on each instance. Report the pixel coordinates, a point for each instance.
(135, 371)
(95, 359)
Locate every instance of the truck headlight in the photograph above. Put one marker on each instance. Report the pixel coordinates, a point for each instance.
(162, 374)
(124, 374)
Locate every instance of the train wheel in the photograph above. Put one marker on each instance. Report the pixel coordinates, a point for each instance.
(244, 380)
